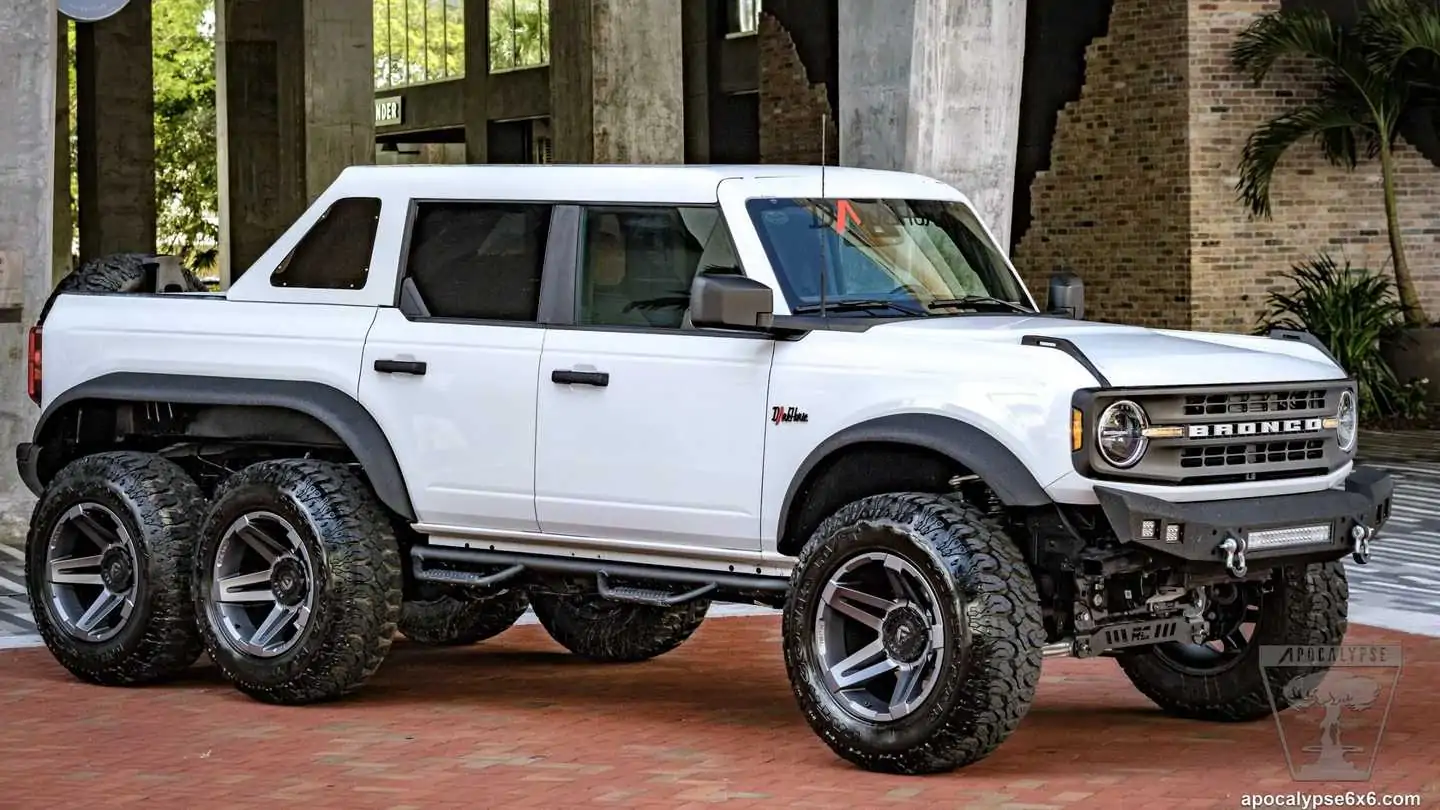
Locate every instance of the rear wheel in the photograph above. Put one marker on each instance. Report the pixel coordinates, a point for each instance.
(297, 581)
(108, 564)
(1222, 680)
(444, 616)
(618, 632)
(912, 634)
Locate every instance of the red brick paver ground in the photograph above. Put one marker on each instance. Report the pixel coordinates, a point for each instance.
(517, 723)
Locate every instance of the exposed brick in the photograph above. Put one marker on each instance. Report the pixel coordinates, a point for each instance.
(1141, 198)
(793, 112)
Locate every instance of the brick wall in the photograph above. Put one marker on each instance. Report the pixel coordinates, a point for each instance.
(1237, 259)
(1140, 198)
(1114, 204)
(791, 108)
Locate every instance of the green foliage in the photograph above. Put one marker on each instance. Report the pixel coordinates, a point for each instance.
(418, 41)
(1352, 311)
(1372, 75)
(519, 33)
(186, 178)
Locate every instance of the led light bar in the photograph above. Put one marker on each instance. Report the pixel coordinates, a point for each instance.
(1293, 537)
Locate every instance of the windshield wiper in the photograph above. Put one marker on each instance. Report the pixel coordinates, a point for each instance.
(974, 300)
(853, 304)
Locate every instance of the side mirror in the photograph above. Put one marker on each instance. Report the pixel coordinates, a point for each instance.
(731, 302)
(1067, 294)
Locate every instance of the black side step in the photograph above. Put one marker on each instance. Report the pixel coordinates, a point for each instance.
(513, 564)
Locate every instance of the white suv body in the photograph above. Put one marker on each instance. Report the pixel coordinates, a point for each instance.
(461, 338)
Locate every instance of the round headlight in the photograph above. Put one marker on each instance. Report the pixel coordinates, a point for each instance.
(1119, 434)
(1347, 418)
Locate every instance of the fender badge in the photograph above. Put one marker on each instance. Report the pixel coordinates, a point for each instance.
(780, 413)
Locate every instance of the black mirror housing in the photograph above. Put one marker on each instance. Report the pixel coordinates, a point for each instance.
(1067, 294)
(731, 302)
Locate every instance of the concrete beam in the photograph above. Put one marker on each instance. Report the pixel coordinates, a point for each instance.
(27, 175)
(616, 81)
(295, 105)
(933, 87)
(115, 119)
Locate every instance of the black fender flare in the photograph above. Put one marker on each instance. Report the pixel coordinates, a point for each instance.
(969, 446)
(332, 407)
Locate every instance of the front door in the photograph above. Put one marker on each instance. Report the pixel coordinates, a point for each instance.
(648, 428)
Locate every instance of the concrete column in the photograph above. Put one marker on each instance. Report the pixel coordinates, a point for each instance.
(616, 86)
(27, 173)
(295, 93)
(933, 87)
(477, 81)
(115, 119)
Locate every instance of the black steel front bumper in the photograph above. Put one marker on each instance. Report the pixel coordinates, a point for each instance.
(1217, 532)
(27, 461)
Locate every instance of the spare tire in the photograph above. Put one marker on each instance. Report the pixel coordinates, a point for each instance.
(124, 273)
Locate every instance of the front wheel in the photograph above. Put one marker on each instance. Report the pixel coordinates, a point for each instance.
(1222, 680)
(912, 634)
(297, 581)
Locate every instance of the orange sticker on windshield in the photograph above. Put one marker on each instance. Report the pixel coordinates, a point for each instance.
(844, 215)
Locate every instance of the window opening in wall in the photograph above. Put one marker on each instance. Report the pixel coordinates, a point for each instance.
(519, 34)
(743, 17)
(418, 41)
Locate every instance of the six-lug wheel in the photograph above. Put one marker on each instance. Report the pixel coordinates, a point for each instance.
(880, 636)
(108, 562)
(263, 592)
(902, 609)
(297, 581)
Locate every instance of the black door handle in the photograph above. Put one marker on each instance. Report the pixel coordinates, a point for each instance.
(599, 379)
(415, 367)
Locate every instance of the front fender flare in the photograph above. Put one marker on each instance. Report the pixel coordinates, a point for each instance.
(336, 409)
(967, 445)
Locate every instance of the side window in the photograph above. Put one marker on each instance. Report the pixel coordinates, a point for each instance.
(637, 263)
(479, 261)
(335, 253)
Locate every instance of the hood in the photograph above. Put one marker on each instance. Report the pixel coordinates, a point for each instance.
(1136, 356)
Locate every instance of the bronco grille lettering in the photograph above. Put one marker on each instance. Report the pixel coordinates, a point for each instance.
(1270, 427)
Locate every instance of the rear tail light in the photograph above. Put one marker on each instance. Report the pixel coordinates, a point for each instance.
(32, 364)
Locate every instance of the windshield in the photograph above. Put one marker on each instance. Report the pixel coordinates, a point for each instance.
(884, 258)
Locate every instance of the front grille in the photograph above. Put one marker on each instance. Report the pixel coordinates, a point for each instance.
(1237, 455)
(1230, 434)
(1254, 402)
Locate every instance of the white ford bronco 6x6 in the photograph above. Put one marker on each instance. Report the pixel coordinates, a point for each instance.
(617, 395)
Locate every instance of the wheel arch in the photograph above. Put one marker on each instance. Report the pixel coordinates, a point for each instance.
(914, 451)
(297, 409)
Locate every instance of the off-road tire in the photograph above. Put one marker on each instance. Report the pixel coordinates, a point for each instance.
(461, 616)
(988, 601)
(1309, 606)
(162, 509)
(599, 629)
(355, 573)
(117, 273)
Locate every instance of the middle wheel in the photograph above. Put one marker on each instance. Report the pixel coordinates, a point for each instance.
(601, 629)
(297, 581)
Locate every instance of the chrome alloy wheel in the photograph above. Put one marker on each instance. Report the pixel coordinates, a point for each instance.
(262, 589)
(91, 573)
(879, 636)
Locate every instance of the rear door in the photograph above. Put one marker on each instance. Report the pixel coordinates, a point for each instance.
(451, 373)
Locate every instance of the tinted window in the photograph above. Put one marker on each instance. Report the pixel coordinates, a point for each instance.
(479, 261)
(884, 258)
(637, 264)
(335, 253)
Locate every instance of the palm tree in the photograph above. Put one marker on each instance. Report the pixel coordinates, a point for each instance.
(1373, 74)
